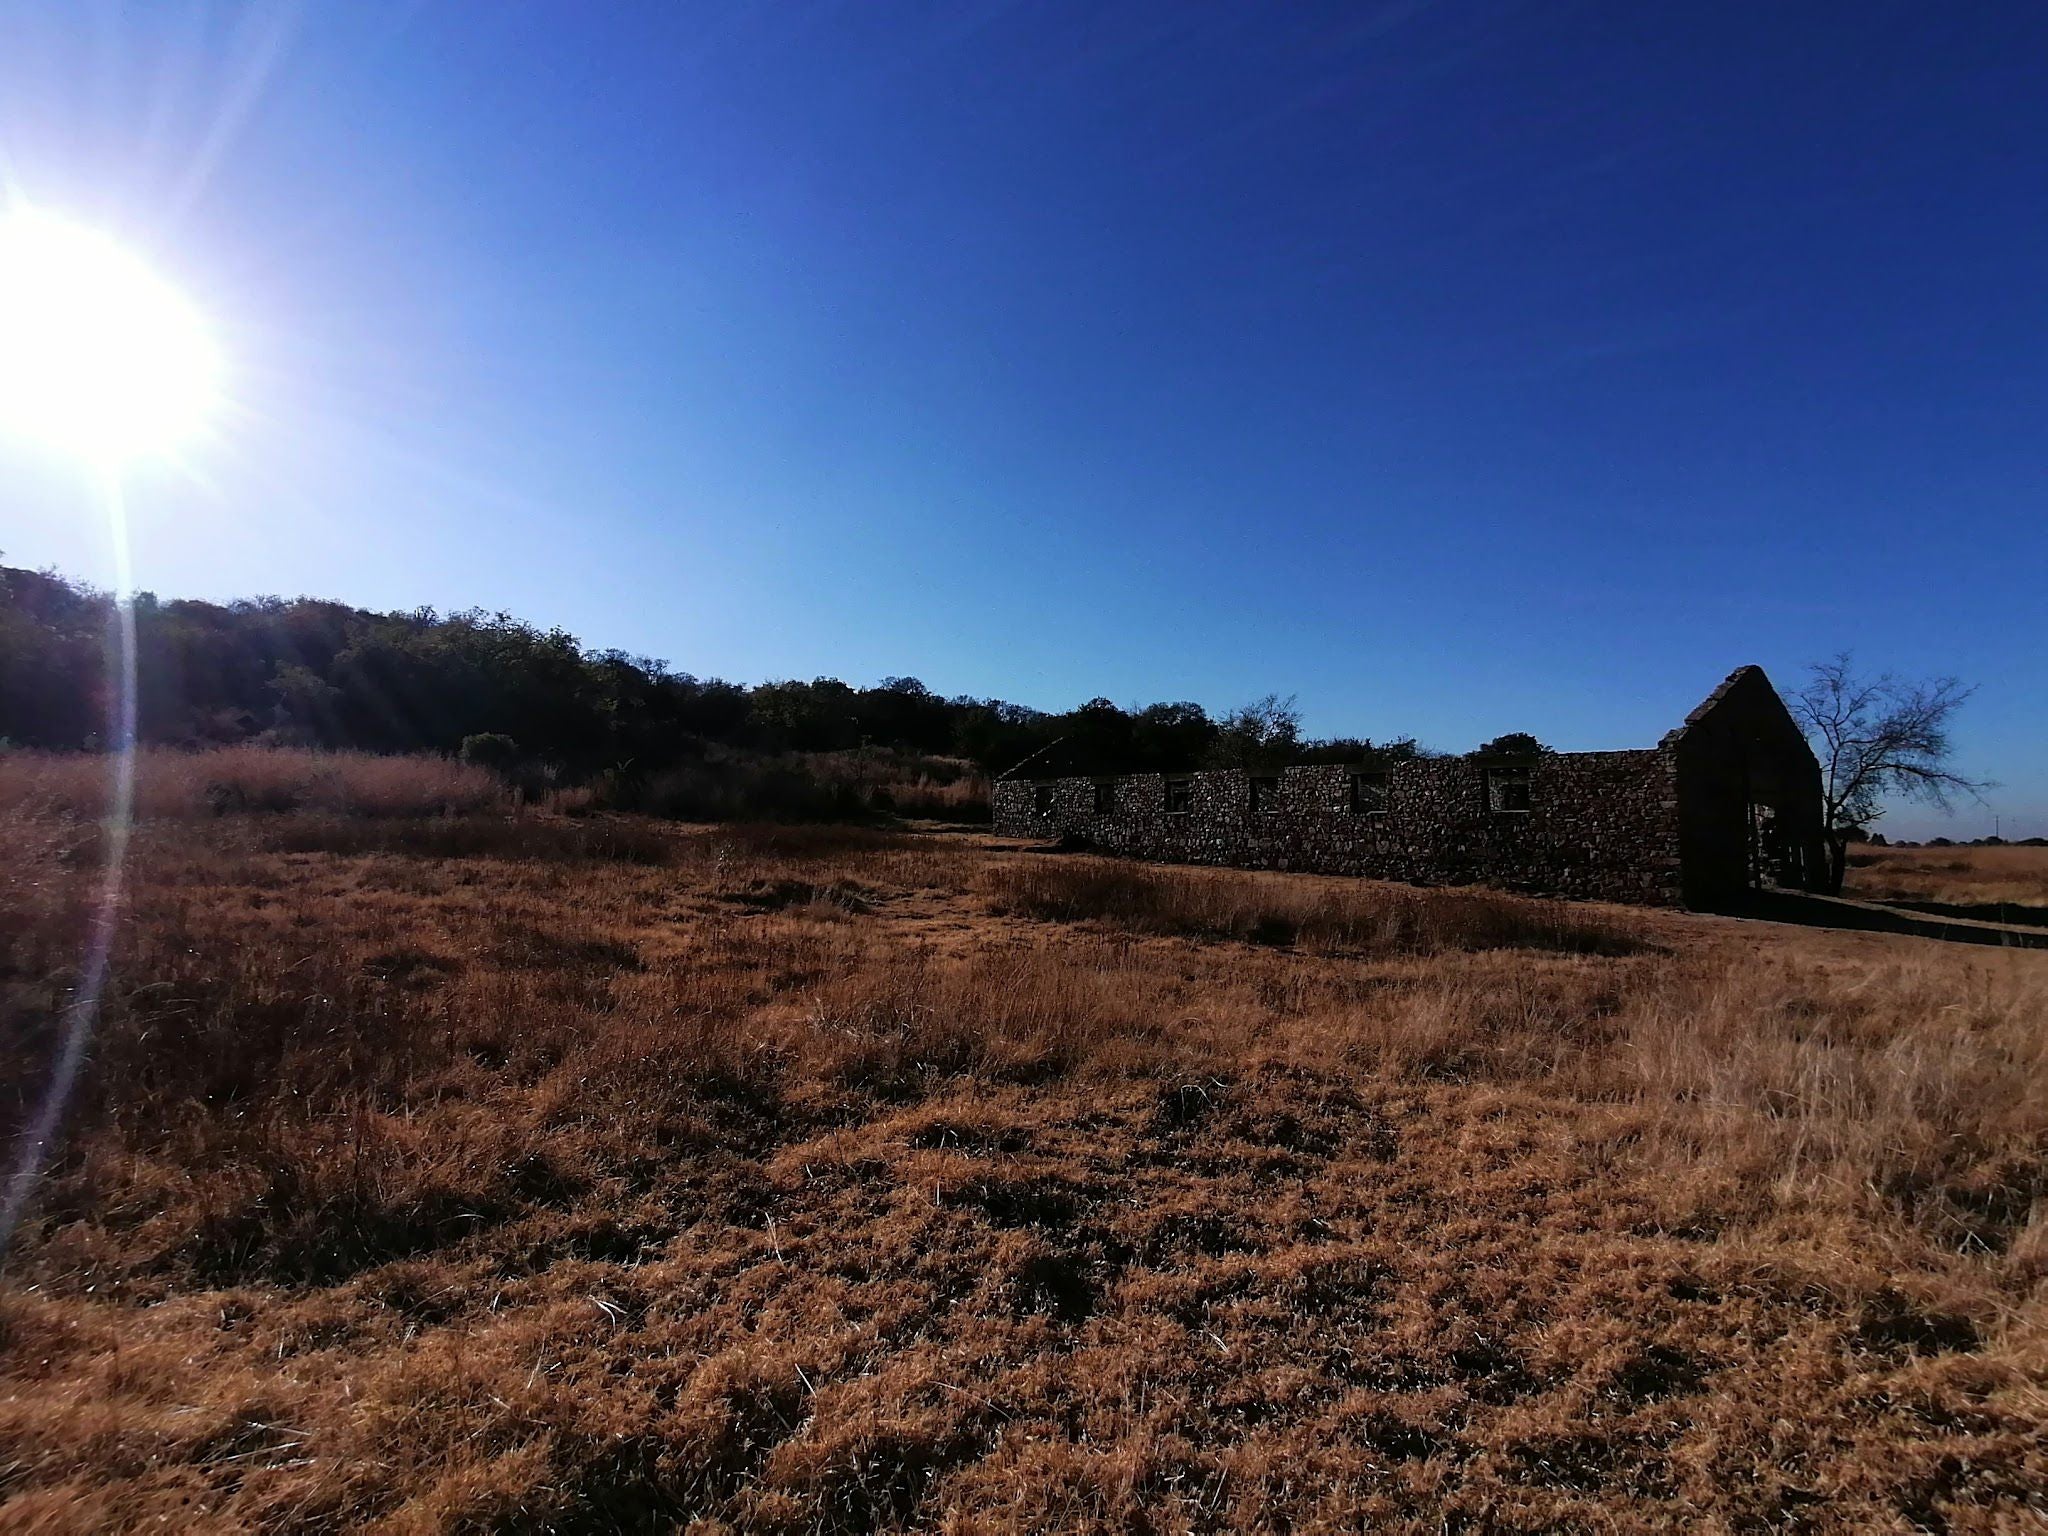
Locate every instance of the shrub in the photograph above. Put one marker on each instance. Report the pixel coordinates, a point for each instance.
(730, 789)
(1513, 744)
(489, 749)
(729, 785)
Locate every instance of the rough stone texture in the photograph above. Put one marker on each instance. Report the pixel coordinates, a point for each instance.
(1599, 824)
(1613, 826)
(1741, 749)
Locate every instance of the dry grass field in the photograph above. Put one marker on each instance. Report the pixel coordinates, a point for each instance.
(479, 1173)
(1956, 876)
(168, 784)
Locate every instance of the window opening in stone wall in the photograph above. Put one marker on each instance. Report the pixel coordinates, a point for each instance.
(1041, 798)
(1265, 794)
(1369, 793)
(1507, 788)
(1105, 797)
(1180, 796)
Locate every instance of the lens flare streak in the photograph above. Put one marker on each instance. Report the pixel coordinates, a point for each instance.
(82, 1017)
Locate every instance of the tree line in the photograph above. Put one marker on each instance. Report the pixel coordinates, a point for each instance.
(308, 672)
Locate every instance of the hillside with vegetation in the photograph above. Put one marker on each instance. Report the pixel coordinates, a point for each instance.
(311, 673)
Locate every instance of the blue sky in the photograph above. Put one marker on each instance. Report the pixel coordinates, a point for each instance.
(1457, 367)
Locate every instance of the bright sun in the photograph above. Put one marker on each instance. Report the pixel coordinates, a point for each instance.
(98, 355)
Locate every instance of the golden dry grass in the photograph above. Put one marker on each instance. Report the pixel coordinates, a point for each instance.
(1322, 916)
(817, 1179)
(170, 783)
(1956, 876)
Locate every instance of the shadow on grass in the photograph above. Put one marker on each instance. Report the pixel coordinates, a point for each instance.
(1926, 921)
(1978, 912)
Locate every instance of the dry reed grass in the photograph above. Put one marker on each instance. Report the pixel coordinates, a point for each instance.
(170, 783)
(811, 1179)
(1375, 919)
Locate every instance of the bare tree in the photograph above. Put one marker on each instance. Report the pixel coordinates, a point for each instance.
(1878, 736)
(1265, 733)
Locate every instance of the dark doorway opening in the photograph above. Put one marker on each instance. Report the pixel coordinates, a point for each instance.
(1774, 862)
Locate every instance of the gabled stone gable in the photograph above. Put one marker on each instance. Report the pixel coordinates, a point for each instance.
(1740, 748)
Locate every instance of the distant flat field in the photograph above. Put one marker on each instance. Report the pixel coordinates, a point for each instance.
(1961, 876)
(474, 1172)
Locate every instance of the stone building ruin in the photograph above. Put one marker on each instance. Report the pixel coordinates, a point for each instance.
(1727, 803)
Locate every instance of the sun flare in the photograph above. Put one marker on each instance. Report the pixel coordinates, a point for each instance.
(98, 355)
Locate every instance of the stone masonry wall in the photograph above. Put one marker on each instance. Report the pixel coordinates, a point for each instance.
(1741, 749)
(1600, 825)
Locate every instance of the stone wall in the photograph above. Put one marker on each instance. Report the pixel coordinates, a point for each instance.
(1600, 825)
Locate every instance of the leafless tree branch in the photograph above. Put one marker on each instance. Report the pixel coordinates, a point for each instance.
(1877, 737)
